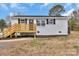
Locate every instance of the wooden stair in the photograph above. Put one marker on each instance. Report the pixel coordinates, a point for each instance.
(9, 31)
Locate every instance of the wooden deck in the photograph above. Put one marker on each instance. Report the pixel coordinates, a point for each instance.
(27, 28)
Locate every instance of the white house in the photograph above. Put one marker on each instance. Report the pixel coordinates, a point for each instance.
(44, 25)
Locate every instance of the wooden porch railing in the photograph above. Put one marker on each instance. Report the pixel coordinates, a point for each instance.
(28, 28)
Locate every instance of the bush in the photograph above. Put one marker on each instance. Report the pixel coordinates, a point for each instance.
(72, 23)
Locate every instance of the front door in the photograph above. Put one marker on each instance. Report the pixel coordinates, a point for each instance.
(31, 24)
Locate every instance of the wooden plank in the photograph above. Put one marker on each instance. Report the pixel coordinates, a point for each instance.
(20, 28)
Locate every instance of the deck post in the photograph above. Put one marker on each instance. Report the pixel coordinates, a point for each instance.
(34, 35)
(15, 35)
(11, 36)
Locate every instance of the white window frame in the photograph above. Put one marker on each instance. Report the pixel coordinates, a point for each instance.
(43, 23)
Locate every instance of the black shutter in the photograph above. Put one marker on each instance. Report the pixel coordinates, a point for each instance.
(18, 20)
(25, 21)
(53, 21)
(47, 21)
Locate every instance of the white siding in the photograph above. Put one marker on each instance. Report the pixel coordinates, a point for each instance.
(13, 21)
(50, 29)
(53, 29)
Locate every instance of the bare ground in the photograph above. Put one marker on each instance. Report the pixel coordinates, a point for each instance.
(50, 46)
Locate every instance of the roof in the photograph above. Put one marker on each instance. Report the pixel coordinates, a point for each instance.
(36, 16)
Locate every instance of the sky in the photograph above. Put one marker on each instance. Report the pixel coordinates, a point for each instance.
(7, 9)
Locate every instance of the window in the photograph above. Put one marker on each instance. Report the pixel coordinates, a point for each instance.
(43, 23)
(50, 21)
(22, 21)
(38, 23)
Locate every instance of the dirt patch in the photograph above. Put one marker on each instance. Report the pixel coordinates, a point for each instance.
(49, 46)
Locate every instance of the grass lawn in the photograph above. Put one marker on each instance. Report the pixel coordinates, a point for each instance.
(49, 46)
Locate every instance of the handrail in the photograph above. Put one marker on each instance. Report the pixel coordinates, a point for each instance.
(25, 27)
(19, 28)
(9, 30)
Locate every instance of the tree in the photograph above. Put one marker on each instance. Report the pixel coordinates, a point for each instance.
(56, 10)
(72, 23)
(2, 24)
(75, 13)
